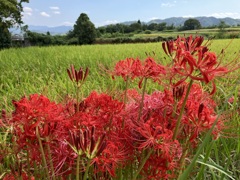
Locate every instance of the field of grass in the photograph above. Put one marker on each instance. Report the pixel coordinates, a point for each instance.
(43, 70)
(203, 32)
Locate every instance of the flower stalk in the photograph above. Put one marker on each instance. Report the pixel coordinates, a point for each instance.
(182, 110)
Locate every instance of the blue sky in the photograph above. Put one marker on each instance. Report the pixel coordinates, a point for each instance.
(103, 12)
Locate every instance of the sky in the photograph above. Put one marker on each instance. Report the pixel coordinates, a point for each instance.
(103, 12)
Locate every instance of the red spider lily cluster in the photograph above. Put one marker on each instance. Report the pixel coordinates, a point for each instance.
(142, 135)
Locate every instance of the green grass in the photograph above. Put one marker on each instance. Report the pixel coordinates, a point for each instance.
(203, 32)
(43, 70)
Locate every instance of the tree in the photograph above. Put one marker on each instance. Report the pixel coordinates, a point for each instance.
(137, 26)
(222, 25)
(161, 26)
(84, 30)
(5, 36)
(191, 24)
(10, 15)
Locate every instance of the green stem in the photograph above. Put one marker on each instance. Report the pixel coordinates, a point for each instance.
(142, 164)
(50, 159)
(42, 152)
(126, 88)
(142, 100)
(125, 99)
(28, 164)
(182, 159)
(182, 110)
(78, 166)
(77, 96)
(87, 168)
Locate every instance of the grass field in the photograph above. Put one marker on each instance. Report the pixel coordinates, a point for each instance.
(31, 70)
(210, 33)
(38, 69)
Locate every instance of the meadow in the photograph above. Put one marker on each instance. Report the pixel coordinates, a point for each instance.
(43, 70)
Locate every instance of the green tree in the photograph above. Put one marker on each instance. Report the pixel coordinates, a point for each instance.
(137, 26)
(5, 36)
(222, 25)
(191, 24)
(10, 15)
(162, 26)
(84, 30)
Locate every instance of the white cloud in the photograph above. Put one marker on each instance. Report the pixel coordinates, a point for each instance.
(226, 14)
(44, 14)
(67, 23)
(110, 22)
(168, 4)
(153, 18)
(27, 11)
(54, 8)
(188, 16)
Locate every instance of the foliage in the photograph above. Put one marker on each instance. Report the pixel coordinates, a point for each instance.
(191, 24)
(10, 15)
(10, 12)
(84, 30)
(5, 36)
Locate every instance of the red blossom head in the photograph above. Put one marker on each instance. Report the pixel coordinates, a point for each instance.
(128, 68)
(194, 60)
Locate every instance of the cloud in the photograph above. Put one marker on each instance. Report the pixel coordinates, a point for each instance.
(188, 16)
(67, 23)
(226, 14)
(168, 4)
(110, 22)
(54, 8)
(44, 14)
(153, 18)
(27, 11)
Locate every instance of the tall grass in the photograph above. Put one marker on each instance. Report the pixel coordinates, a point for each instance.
(43, 70)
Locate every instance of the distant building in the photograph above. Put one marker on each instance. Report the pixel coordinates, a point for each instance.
(18, 40)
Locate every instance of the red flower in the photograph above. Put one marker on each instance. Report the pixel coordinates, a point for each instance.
(199, 114)
(151, 69)
(191, 59)
(128, 68)
(37, 111)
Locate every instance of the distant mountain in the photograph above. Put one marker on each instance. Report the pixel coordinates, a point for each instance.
(205, 21)
(44, 29)
(52, 30)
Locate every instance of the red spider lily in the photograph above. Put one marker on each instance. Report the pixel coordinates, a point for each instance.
(151, 69)
(199, 114)
(77, 76)
(128, 68)
(172, 47)
(100, 110)
(37, 111)
(190, 59)
(111, 157)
